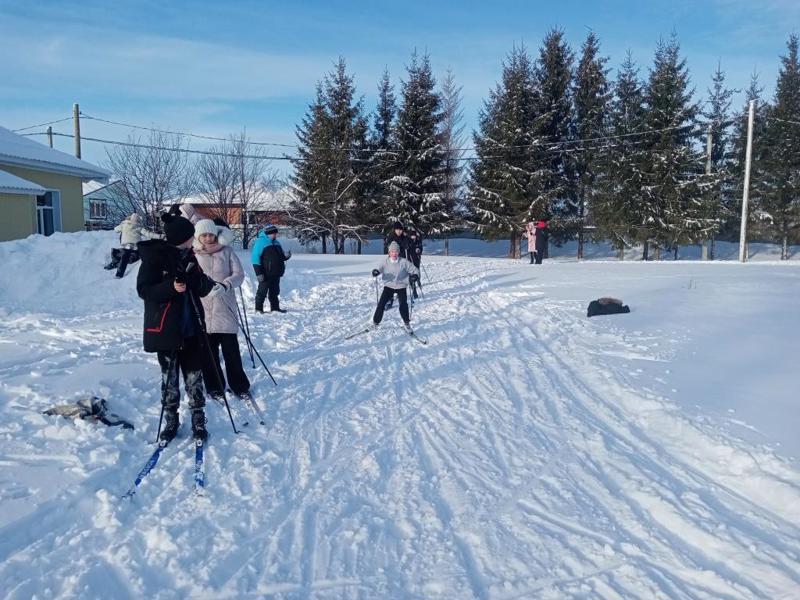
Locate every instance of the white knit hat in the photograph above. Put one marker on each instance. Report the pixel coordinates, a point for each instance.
(205, 226)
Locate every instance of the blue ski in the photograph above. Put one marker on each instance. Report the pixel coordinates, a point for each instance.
(148, 466)
(199, 473)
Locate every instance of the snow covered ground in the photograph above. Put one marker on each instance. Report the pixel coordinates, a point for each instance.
(526, 452)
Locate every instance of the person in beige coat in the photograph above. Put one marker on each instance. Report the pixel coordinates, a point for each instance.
(220, 263)
(131, 233)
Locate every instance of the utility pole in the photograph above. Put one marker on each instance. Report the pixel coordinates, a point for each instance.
(746, 192)
(50, 135)
(76, 125)
(709, 142)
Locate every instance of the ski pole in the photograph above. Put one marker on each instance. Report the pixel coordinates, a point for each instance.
(207, 344)
(253, 347)
(160, 419)
(239, 313)
(375, 279)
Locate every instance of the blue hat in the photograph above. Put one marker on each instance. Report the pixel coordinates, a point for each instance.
(270, 229)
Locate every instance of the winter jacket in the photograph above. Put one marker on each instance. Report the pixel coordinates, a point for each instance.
(223, 266)
(402, 240)
(415, 250)
(168, 315)
(268, 257)
(395, 274)
(541, 242)
(131, 233)
(530, 232)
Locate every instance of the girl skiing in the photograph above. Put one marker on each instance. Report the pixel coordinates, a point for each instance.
(396, 274)
(219, 261)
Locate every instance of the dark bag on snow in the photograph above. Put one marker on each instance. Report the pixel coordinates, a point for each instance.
(90, 409)
(606, 306)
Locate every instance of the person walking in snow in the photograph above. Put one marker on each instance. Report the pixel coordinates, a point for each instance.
(269, 263)
(530, 233)
(396, 274)
(219, 261)
(541, 241)
(415, 256)
(168, 274)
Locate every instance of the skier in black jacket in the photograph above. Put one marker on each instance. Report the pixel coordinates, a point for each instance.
(168, 274)
(415, 256)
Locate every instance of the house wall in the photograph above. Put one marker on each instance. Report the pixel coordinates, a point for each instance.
(17, 216)
(71, 194)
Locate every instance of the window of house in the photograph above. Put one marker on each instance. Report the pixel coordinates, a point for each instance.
(48, 212)
(98, 209)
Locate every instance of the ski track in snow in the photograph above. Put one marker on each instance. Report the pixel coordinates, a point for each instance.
(518, 455)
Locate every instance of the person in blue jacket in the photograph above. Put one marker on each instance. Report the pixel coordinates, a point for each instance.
(269, 263)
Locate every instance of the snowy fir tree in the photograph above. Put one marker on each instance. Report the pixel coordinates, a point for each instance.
(330, 177)
(717, 122)
(452, 140)
(674, 184)
(617, 206)
(418, 182)
(508, 185)
(591, 97)
(382, 157)
(781, 186)
(553, 75)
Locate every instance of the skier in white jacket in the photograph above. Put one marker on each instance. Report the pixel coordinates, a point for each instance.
(396, 274)
(131, 233)
(218, 261)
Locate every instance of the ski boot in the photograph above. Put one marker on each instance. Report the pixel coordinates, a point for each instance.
(171, 423)
(407, 328)
(199, 431)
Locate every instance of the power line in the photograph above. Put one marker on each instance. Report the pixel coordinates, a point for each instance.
(42, 124)
(547, 146)
(784, 120)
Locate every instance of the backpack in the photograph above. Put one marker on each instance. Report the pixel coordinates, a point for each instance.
(606, 306)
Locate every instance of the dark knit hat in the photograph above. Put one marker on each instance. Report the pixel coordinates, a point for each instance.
(177, 229)
(398, 225)
(270, 229)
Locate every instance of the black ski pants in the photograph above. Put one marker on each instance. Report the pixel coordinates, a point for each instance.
(189, 361)
(237, 379)
(388, 294)
(123, 261)
(270, 287)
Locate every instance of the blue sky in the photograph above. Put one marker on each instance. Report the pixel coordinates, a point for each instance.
(215, 67)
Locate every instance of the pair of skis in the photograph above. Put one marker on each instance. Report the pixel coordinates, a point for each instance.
(199, 469)
(250, 403)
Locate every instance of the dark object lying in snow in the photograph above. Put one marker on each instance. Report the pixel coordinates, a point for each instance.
(90, 409)
(606, 306)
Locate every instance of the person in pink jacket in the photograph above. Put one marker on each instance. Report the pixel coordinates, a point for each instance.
(530, 232)
(220, 263)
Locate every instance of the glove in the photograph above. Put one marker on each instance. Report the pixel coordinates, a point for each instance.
(219, 288)
(414, 278)
(375, 272)
(260, 278)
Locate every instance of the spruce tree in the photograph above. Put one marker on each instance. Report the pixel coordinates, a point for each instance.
(452, 139)
(674, 182)
(781, 197)
(717, 123)
(554, 79)
(417, 186)
(329, 182)
(507, 187)
(618, 208)
(591, 97)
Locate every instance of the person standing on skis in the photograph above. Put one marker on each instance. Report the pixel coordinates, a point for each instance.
(398, 236)
(219, 261)
(415, 256)
(269, 263)
(168, 275)
(396, 274)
